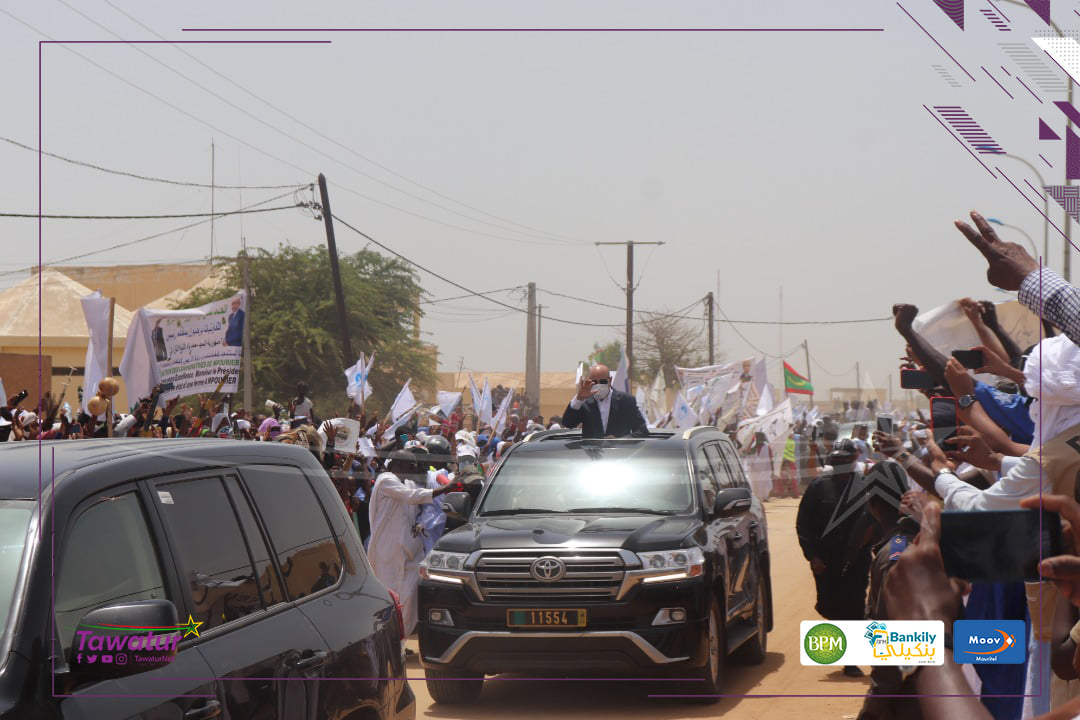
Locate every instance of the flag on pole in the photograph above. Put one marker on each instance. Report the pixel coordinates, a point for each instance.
(484, 413)
(796, 383)
(96, 311)
(475, 396)
(681, 412)
(359, 389)
(620, 379)
(765, 402)
(499, 421)
(404, 403)
(448, 401)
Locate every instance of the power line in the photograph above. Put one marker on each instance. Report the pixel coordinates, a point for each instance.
(145, 217)
(257, 149)
(326, 137)
(462, 297)
(286, 134)
(149, 178)
(459, 286)
(752, 345)
(129, 243)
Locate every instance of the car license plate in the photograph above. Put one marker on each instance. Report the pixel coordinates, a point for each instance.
(546, 617)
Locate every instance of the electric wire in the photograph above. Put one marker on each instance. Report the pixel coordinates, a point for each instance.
(144, 217)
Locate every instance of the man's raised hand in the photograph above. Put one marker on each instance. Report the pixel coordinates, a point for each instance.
(1008, 262)
(584, 389)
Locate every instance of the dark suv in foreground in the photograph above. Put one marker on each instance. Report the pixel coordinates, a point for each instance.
(635, 555)
(191, 579)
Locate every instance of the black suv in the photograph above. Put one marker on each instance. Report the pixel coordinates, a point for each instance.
(188, 579)
(600, 556)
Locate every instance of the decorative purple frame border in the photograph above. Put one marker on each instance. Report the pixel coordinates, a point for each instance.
(42, 43)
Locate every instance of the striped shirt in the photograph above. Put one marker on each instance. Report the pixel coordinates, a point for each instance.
(1060, 300)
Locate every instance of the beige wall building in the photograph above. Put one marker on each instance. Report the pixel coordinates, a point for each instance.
(134, 286)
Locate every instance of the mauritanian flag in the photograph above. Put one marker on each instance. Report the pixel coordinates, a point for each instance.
(796, 383)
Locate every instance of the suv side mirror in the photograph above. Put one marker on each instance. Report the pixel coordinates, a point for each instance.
(457, 505)
(125, 639)
(732, 501)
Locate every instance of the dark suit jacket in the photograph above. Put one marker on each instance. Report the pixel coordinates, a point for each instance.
(624, 417)
(234, 333)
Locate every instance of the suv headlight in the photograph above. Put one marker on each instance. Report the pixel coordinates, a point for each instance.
(670, 565)
(444, 567)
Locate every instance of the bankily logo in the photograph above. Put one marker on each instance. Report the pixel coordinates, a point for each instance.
(990, 641)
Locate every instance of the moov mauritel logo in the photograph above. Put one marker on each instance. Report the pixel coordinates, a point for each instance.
(825, 643)
(1001, 642)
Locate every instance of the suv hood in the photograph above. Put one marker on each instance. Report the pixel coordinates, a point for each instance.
(632, 532)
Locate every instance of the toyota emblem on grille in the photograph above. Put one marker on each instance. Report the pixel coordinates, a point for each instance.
(547, 569)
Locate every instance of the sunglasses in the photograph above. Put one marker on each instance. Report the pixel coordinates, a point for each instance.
(605, 381)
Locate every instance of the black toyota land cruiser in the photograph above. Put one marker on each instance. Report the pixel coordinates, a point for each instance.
(627, 556)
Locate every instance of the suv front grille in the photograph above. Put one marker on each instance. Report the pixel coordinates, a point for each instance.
(591, 575)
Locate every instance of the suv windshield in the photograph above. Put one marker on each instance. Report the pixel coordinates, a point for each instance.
(583, 478)
(14, 519)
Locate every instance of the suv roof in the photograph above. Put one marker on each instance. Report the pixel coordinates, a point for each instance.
(146, 456)
(676, 438)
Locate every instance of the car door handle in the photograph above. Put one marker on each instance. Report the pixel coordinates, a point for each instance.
(313, 661)
(211, 709)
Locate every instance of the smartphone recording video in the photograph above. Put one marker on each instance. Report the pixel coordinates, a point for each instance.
(971, 359)
(943, 419)
(998, 545)
(916, 380)
(885, 424)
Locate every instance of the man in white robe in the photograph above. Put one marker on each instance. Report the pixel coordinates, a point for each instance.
(396, 547)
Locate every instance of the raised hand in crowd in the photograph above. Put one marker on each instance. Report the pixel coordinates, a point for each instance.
(1008, 263)
(996, 364)
(1062, 570)
(956, 375)
(968, 445)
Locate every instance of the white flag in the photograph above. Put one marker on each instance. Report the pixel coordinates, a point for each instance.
(359, 389)
(475, 396)
(484, 413)
(398, 423)
(3, 392)
(96, 310)
(765, 402)
(620, 379)
(499, 422)
(656, 398)
(448, 401)
(639, 397)
(403, 403)
(681, 412)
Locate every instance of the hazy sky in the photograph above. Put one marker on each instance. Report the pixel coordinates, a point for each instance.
(763, 160)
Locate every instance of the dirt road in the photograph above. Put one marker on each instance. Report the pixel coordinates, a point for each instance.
(763, 687)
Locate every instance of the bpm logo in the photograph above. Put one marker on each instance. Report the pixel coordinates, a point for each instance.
(825, 643)
(990, 641)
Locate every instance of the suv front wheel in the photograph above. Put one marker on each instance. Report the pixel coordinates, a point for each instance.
(452, 686)
(712, 674)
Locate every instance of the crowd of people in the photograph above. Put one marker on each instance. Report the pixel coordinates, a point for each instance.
(1017, 445)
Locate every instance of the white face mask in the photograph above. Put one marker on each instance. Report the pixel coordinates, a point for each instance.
(601, 391)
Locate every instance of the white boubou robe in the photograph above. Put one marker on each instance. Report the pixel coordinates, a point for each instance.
(395, 553)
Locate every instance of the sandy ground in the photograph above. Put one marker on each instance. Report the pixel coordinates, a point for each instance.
(765, 691)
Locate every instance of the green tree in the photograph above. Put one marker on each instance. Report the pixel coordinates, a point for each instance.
(295, 333)
(608, 354)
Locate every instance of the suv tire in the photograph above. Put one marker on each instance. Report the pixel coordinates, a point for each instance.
(450, 686)
(712, 673)
(753, 651)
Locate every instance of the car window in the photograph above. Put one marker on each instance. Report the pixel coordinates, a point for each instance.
(269, 583)
(15, 518)
(704, 470)
(306, 550)
(108, 557)
(735, 465)
(210, 550)
(724, 476)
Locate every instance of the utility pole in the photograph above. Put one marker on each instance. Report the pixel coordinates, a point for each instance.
(709, 314)
(858, 382)
(249, 380)
(806, 349)
(339, 294)
(532, 379)
(109, 365)
(212, 193)
(630, 300)
(539, 317)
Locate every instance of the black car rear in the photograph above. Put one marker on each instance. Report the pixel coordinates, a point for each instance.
(191, 578)
(627, 556)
